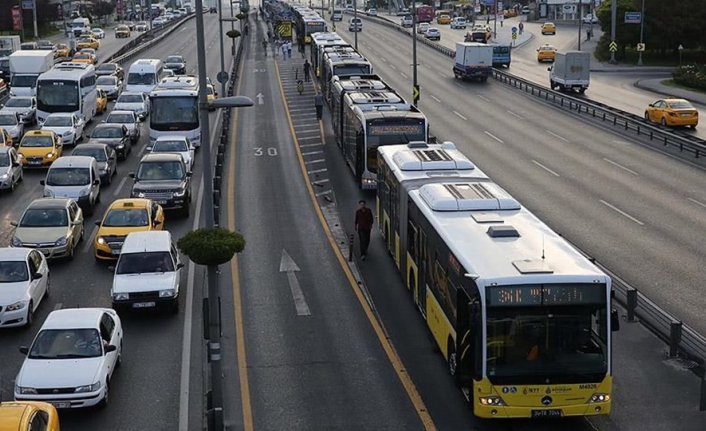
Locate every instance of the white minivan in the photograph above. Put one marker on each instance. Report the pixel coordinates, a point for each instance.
(355, 24)
(337, 15)
(144, 75)
(74, 177)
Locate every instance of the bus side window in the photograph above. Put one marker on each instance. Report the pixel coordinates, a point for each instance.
(412, 240)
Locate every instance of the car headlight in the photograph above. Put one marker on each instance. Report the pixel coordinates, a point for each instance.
(167, 293)
(4, 176)
(120, 146)
(101, 240)
(16, 242)
(492, 401)
(67, 134)
(48, 193)
(16, 306)
(25, 391)
(20, 156)
(88, 388)
(83, 193)
(61, 241)
(141, 194)
(179, 193)
(599, 398)
(50, 155)
(121, 296)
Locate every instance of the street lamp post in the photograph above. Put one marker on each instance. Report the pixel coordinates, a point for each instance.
(613, 26)
(642, 32)
(580, 21)
(355, 26)
(415, 84)
(220, 35)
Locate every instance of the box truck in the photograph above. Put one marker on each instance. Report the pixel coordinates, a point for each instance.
(571, 71)
(25, 68)
(473, 61)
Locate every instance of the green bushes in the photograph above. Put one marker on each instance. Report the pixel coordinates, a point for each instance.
(692, 76)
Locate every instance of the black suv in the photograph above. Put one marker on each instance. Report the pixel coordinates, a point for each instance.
(176, 63)
(164, 178)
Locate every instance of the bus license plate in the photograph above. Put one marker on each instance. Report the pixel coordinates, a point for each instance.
(143, 304)
(546, 413)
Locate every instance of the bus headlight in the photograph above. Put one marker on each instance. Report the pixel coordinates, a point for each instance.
(492, 401)
(599, 398)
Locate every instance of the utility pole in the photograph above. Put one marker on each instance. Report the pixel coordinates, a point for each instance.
(415, 84)
(642, 33)
(580, 20)
(232, 27)
(220, 35)
(613, 24)
(34, 16)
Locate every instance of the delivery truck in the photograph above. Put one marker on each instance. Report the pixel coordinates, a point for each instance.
(25, 68)
(571, 71)
(473, 61)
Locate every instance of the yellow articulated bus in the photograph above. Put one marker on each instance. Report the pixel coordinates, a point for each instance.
(523, 320)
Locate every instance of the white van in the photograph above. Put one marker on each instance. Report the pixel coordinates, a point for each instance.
(74, 177)
(79, 25)
(355, 24)
(337, 15)
(148, 272)
(144, 75)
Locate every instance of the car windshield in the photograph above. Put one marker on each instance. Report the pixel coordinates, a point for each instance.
(174, 59)
(107, 132)
(107, 80)
(110, 67)
(37, 141)
(67, 344)
(81, 56)
(120, 118)
(68, 177)
(141, 79)
(8, 120)
(45, 217)
(122, 217)
(96, 30)
(170, 147)
(19, 102)
(140, 263)
(157, 171)
(130, 98)
(4, 160)
(58, 121)
(23, 81)
(96, 153)
(682, 104)
(13, 272)
(85, 39)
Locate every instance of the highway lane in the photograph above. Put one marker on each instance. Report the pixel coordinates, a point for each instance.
(145, 391)
(635, 210)
(313, 359)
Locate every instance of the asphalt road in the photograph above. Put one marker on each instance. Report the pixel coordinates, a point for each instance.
(145, 392)
(635, 208)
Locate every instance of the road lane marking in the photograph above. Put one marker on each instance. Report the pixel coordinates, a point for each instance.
(310, 153)
(618, 165)
(557, 136)
(483, 97)
(545, 168)
(288, 265)
(383, 59)
(89, 240)
(456, 84)
(392, 66)
(384, 340)
(621, 142)
(403, 75)
(435, 98)
(461, 116)
(120, 186)
(621, 212)
(697, 202)
(494, 137)
(515, 115)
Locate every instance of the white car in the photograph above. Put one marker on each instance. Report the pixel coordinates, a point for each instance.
(371, 12)
(432, 34)
(158, 21)
(91, 51)
(133, 101)
(110, 84)
(72, 359)
(407, 21)
(402, 12)
(128, 119)
(98, 32)
(590, 19)
(24, 282)
(175, 144)
(67, 125)
(459, 22)
(422, 27)
(10, 121)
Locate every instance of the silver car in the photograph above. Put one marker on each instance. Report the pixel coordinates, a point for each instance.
(11, 172)
(25, 106)
(110, 84)
(133, 101)
(10, 121)
(127, 118)
(53, 226)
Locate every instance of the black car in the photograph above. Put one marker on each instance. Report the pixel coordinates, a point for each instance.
(104, 155)
(130, 25)
(176, 63)
(116, 136)
(110, 69)
(213, 10)
(164, 178)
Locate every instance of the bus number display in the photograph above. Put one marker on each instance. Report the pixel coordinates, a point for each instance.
(396, 129)
(545, 295)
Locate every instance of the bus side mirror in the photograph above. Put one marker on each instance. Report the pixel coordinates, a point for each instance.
(614, 320)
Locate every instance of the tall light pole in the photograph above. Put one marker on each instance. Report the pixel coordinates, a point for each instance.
(580, 20)
(495, 20)
(220, 35)
(642, 32)
(355, 20)
(613, 25)
(415, 85)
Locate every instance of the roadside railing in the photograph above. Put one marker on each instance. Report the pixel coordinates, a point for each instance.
(146, 40)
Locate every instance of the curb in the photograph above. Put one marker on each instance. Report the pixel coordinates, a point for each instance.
(657, 90)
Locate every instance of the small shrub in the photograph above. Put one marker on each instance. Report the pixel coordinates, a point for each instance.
(692, 76)
(233, 34)
(211, 246)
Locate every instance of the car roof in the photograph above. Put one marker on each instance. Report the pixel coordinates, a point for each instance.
(131, 203)
(14, 253)
(131, 93)
(39, 133)
(673, 99)
(5, 149)
(91, 145)
(74, 318)
(72, 161)
(147, 241)
(49, 203)
(161, 157)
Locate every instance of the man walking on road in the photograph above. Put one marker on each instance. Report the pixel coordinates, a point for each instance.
(307, 69)
(363, 224)
(319, 103)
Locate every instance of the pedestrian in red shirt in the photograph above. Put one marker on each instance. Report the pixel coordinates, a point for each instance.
(363, 224)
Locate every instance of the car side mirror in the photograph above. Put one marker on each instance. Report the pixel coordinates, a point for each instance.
(188, 174)
(42, 183)
(215, 93)
(549, 69)
(111, 268)
(77, 222)
(110, 348)
(24, 350)
(15, 164)
(180, 265)
(96, 182)
(36, 276)
(13, 223)
(156, 223)
(651, 105)
(131, 175)
(97, 222)
(614, 320)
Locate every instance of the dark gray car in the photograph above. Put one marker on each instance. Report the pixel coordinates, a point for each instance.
(176, 63)
(110, 69)
(10, 169)
(105, 156)
(116, 136)
(164, 178)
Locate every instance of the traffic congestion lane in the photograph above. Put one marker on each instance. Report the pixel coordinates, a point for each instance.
(571, 209)
(145, 393)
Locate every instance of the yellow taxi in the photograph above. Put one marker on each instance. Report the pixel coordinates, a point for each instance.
(87, 42)
(548, 28)
(672, 112)
(39, 148)
(5, 138)
(101, 102)
(211, 94)
(443, 19)
(84, 57)
(122, 217)
(546, 52)
(28, 416)
(122, 31)
(62, 50)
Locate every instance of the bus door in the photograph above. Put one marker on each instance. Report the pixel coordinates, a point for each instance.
(359, 154)
(468, 338)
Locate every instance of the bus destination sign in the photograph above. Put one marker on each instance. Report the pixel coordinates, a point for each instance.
(546, 295)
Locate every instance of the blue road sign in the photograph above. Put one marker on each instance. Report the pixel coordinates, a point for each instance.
(514, 29)
(633, 17)
(28, 4)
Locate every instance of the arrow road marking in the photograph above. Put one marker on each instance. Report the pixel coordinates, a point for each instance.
(260, 99)
(288, 265)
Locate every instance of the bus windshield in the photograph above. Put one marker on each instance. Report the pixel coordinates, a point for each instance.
(565, 344)
(174, 113)
(388, 131)
(57, 96)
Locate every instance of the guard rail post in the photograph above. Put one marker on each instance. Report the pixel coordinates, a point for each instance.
(675, 330)
(631, 303)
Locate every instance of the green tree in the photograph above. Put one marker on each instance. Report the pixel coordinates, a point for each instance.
(103, 8)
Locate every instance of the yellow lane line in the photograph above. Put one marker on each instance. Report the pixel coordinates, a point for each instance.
(237, 300)
(387, 346)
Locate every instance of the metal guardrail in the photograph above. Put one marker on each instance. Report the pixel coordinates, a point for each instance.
(684, 342)
(147, 40)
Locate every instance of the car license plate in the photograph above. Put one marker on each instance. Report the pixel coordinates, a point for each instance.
(686, 115)
(556, 413)
(143, 304)
(65, 405)
(35, 162)
(115, 252)
(161, 202)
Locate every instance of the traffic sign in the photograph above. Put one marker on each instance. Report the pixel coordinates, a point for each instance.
(613, 46)
(514, 29)
(28, 4)
(640, 47)
(514, 36)
(415, 93)
(222, 77)
(633, 17)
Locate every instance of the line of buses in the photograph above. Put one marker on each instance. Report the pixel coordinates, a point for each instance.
(522, 318)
